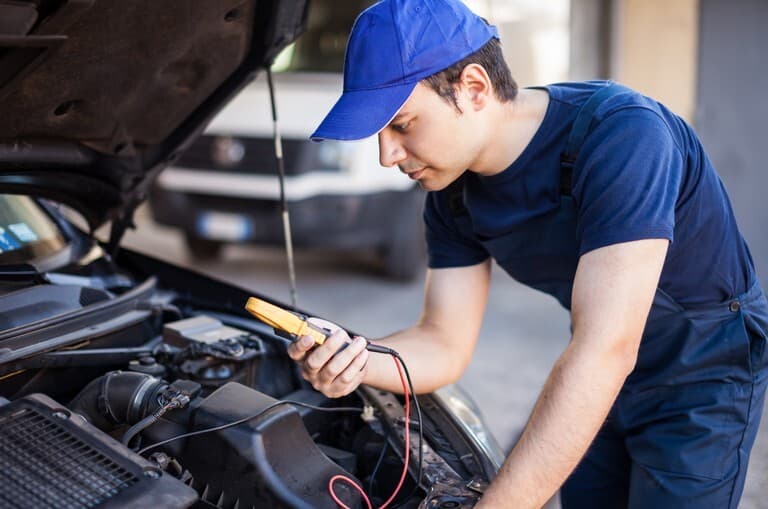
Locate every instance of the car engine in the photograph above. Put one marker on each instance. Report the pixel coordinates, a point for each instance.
(195, 404)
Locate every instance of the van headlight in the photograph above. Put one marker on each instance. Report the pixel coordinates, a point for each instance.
(227, 151)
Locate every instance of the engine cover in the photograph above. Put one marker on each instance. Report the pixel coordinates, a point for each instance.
(268, 461)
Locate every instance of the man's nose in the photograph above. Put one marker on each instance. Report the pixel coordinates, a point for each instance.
(391, 151)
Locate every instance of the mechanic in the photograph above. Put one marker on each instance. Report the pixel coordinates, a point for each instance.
(596, 195)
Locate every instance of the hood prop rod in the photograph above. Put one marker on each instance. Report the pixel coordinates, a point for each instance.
(118, 228)
(283, 202)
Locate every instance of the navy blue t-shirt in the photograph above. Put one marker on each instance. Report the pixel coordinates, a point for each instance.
(640, 174)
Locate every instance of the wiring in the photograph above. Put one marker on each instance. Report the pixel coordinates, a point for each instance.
(177, 401)
(378, 464)
(408, 393)
(246, 419)
(373, 347)
(407, 384)
(420, 424)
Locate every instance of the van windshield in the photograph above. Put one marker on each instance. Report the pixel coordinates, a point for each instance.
(321, 48)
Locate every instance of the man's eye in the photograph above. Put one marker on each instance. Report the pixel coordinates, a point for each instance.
(401, 127)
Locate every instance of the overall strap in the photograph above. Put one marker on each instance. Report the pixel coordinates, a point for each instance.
(579, 132)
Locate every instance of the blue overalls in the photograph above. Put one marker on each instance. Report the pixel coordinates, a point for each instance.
(681, 429)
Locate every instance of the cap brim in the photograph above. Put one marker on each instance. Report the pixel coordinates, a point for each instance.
(362, 113)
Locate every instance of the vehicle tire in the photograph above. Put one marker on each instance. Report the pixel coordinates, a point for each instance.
(203, 249)
(405, 253)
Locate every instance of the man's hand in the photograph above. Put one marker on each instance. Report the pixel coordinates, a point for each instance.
(437, 349)
(334, 368)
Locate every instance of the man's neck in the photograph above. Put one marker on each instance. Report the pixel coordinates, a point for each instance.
(516, 124)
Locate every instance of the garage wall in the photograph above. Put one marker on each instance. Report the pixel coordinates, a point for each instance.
(654, 47)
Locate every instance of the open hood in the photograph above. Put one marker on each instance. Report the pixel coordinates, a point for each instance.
(97, 96)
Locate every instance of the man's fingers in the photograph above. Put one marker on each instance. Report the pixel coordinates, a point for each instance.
(350, 379)
(320, 355)
(354, 371)
(339, 362)
(334, 368)
(299, 348)
(342, 359)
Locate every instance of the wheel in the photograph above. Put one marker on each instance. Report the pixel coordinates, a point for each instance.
(404, 254)
(203, 249)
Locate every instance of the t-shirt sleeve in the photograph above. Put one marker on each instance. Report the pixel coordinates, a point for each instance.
(626, 180)
(447, 245)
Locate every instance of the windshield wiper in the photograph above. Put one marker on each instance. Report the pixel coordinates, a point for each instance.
(21, 273)
(25, 273)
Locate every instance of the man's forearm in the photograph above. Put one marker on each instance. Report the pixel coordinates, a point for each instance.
(430, 363)
(571, 409)
(439, 347)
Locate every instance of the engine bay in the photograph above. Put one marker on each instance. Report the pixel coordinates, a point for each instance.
(170, 371)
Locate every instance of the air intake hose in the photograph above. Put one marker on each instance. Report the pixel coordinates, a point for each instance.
(118, 398)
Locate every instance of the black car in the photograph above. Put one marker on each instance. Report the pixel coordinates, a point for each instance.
(130, 382)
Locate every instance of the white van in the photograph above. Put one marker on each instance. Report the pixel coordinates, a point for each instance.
(225, 187)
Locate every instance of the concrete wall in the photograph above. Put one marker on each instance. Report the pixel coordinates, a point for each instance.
(654, 47)
(590, 33)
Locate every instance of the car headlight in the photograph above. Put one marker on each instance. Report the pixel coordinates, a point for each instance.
(467, 416)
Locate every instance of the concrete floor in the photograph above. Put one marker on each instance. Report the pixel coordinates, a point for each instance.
(523, 333)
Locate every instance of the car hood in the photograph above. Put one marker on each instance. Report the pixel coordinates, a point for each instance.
(98, 96)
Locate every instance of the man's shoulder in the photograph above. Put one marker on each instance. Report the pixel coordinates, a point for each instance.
(624, 111)
(576, 93)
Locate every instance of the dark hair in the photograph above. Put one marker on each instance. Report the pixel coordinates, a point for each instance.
(491, 59)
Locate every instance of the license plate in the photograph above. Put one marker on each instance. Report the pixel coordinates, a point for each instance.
(222, 226)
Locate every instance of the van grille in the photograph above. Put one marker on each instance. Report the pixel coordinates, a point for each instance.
(258, 157)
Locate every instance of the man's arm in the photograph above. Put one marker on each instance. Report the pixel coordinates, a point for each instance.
(436, 350)
(612, 294)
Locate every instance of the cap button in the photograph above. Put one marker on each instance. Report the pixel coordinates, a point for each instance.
(734, 306)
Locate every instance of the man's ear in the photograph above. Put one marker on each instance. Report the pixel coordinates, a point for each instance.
(476, 84)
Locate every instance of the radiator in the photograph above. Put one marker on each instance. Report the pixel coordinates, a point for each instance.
(51, 458)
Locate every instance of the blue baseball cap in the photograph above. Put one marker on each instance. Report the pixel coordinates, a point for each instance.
(394, 44)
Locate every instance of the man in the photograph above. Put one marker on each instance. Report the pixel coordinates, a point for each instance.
(596, 195)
